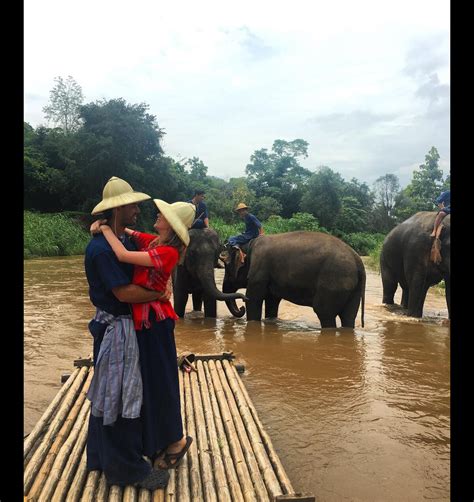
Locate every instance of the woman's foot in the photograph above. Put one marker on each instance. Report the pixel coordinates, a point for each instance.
(169, 458)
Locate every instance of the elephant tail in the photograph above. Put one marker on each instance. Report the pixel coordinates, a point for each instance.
(362, 279)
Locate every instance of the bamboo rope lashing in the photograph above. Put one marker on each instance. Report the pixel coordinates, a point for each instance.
(222, 489)
(42, 422)
(115, 493)
(62, 454)
(241, 467)
(92, 481)
(266, 468)
(102, 489)
(182, 482)
(260, 488)
(130, 494)
(232, 478)
(274, 458)
(78, 483)
(66, 473)
(195, 486)
(202, 442)
(40, 453)
(41, 477)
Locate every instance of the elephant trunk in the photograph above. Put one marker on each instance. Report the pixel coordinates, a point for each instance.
(231, 304)
(210, 288)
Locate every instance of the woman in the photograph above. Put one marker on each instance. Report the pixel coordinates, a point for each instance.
(154, 322)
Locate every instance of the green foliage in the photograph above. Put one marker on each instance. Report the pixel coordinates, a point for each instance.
(374, 255)
(362, 242)
(52, 235)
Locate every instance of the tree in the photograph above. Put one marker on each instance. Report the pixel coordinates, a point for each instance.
(323, 195)
(65, 99)
(386, 189)
(279, 175)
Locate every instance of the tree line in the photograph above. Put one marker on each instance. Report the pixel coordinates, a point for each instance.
(67, 165)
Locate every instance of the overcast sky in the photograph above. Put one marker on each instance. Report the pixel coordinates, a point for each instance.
(365, 83)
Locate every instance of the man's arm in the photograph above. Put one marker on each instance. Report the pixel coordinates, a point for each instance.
(131, 293)
(206, 222)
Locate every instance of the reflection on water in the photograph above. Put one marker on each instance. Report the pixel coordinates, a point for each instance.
(354, 414)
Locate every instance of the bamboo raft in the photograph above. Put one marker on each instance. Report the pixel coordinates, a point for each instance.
(231, 459)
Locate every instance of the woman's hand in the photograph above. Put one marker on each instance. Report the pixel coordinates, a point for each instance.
(95, 227)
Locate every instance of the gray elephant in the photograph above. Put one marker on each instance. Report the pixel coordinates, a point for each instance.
(307, 268)
(405, 260)
(196, 274)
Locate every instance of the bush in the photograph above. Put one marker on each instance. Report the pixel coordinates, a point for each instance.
(52, 234)
(364, 243)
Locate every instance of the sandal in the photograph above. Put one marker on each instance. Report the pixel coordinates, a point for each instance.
(185, 362)
(178, 456)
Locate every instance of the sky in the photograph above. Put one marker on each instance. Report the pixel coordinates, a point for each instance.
(366, 83)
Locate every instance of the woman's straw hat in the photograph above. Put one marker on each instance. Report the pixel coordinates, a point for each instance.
(116, 193)
(180, 216)
(241, 206)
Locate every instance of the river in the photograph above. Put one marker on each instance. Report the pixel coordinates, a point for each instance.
(359, 415)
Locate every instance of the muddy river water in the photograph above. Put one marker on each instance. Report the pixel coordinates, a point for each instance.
(360, 415)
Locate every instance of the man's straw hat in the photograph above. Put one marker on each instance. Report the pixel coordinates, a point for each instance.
(241, 206)
(180, 216)
(116, 193)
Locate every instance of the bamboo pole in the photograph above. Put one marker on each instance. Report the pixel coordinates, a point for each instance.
(222, 489)
(182, 482)
(241, 467)
(232, 479)
(274, 458)
(34, 488)
(193, 461)
(130, 494)
(38, 456)
(71, 457)
(182, 473)
(266, 468)
(92, 481)
(202, 439)
(102, 490)
(249, 454)
(144, 495)
(168, 492)
(115, 494)
(43, 421)
(77, 485)
(61, 454)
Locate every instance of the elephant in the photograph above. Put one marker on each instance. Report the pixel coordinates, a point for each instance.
(405, 260)
(196, 275)
(307, 268)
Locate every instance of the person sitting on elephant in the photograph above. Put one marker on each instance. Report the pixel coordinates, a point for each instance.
(253, 227)
(202, 213)
(444, 204)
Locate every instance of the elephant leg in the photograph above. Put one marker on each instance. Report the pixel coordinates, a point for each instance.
(349, 314)
(405, 297)
(210, 307)
(197, 301)
(179, 302)
(416, 300)
(256, 292)
(271, 306)
(326, 304)
(389, 287)
(327, 322)
(448, 295)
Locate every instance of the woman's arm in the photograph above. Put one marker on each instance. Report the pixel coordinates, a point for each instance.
(122, 253)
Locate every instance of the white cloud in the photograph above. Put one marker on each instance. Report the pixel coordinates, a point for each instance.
(365, 83)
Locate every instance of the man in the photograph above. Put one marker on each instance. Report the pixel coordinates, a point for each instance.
(202, 214)
(114, 442)
(253, 227)
(444, 204)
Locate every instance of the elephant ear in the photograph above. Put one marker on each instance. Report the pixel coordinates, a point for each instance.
(238, 260)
